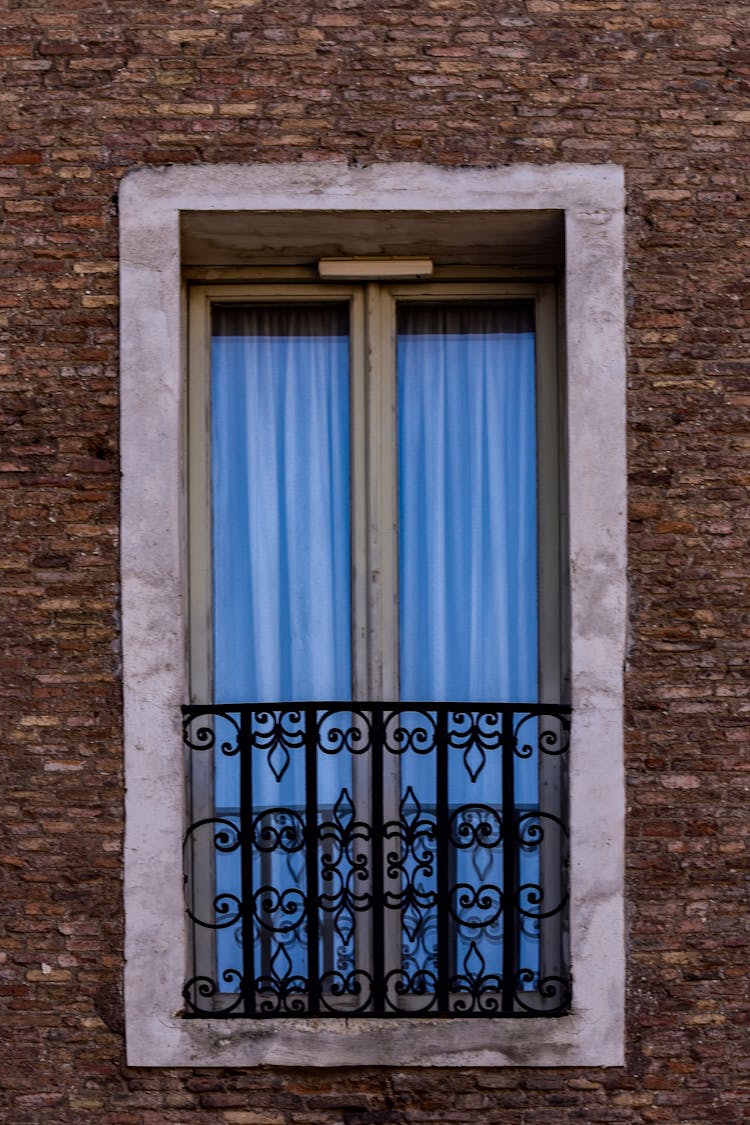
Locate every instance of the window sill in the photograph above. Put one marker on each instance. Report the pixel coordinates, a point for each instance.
(571, 1040)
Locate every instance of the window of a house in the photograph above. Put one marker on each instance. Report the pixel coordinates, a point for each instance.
(377, 735)
(373, 606)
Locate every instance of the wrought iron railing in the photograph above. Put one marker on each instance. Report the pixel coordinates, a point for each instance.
(377, 859)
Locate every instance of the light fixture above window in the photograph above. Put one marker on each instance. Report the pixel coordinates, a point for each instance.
(374, 269)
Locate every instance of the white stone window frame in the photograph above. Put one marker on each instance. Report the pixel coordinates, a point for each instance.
(154, 560)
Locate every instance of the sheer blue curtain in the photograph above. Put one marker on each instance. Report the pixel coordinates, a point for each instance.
(467, 491)
(280, 502)
(468, 590)
(281, 577)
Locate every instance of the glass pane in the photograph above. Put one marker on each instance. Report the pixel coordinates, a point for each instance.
(281, 588)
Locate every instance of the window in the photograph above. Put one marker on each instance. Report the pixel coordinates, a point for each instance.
(375, 593)
(221, 225)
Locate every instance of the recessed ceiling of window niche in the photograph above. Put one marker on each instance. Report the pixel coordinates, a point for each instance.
(512, 239)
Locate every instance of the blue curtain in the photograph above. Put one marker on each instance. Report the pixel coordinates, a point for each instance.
(468, 602)
(280, 567)
(467, 492)
(280, 502)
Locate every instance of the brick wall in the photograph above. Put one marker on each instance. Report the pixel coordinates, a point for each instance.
(89, 90)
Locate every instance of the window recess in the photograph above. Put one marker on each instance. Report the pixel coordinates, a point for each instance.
(377, 733)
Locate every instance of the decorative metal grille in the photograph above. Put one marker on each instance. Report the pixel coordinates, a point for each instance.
(377, 859)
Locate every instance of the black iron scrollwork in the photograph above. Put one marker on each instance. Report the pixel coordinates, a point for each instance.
(374, 859)
(476, 733)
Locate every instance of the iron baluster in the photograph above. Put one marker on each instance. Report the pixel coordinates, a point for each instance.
(247, 927)
(510, 864)
(443, 904)
(378, 847)
(311, 858)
